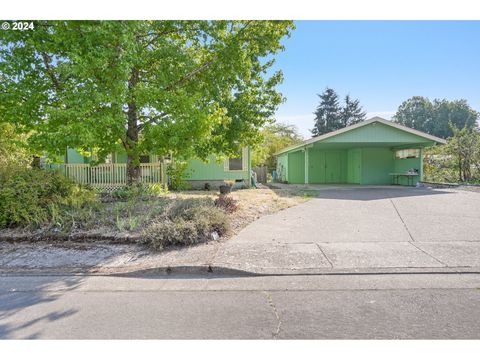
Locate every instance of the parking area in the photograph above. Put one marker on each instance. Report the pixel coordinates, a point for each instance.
(367, 227)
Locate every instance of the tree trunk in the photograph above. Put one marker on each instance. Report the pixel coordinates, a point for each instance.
(133, 158)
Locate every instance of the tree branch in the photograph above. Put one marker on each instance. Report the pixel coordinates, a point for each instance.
(204, 66)
(48, 69)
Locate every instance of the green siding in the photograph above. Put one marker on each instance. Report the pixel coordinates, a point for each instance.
(327, 166)
(354, 166)
(403, 165)
(74, 157)
(377, 164)
(316, 166)
(213, 169)
(296, 167)
(376, 133)
(197, 169)
(363, 155)
(282, 167)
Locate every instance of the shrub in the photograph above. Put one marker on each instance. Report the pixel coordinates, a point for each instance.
(176, 174)
(188, 225)
(179, 207)
(227, 203)
(35, 196)
(137, 192)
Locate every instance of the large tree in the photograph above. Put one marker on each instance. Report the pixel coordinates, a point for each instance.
(185, 87)
(275, 137)
(327, 114)
(449, 115)
(435, 117)
(352, 112)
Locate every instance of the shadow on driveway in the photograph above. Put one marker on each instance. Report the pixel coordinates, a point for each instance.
(355, 192)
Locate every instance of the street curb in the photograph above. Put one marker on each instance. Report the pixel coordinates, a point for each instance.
(209, 270)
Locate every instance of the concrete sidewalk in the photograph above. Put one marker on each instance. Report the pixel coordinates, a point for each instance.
(344, 230)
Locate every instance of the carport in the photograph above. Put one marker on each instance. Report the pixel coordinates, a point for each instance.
(373, 152)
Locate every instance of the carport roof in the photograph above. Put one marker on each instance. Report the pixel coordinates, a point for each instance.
(359, 125)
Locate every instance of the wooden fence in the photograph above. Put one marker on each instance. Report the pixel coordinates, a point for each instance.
(261, 172)
(111, 176)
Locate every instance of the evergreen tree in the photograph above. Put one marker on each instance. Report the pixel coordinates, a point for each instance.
(328, 113)
(352, 112)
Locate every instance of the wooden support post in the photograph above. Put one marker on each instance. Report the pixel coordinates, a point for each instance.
(306, 165)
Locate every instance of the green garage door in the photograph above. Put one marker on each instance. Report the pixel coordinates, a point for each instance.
(327, 167)
(333, 168)
(296, 167)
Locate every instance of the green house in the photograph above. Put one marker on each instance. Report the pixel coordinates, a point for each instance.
(373, 152)
(215, 171)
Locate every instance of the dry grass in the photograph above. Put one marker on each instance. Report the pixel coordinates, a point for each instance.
(125, 221)
(255, 203)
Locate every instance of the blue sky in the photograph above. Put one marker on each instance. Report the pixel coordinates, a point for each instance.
(382, 63)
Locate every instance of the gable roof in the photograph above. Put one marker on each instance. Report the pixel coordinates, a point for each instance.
(359, 125)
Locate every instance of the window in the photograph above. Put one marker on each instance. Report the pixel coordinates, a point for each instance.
(235, 163)
(407, 154)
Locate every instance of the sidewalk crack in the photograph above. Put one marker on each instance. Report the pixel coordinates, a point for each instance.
(401, 219)
(275, 312)
(426, 253)
(325, 255)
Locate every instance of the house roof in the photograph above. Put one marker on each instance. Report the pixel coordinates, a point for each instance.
(359, 125)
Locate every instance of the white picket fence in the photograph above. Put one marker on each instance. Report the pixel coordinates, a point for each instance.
(112, 176)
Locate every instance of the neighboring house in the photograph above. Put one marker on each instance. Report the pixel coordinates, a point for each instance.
(112, 174)
(373, 152)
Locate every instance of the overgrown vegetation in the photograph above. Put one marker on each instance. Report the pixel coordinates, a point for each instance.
(13, 151)
(137, 191)
(176, 174)
(186, 223)
(50, 206)
(34, 197)
(275, 137)
(457, 161)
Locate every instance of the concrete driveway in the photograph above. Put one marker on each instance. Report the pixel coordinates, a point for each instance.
(364, 228)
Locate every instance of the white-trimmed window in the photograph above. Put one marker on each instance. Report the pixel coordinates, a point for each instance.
(237, 163)
(407, 154)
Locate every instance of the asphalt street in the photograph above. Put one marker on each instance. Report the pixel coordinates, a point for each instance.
(394, 306)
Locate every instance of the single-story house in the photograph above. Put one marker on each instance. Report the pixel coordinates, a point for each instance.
(112, 173)
(373, 152)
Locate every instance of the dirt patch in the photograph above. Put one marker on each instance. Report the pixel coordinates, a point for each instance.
(255, 203)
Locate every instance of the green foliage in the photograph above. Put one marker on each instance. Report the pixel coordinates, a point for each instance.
(13, 150)
(435, 117)
(185, 87)
(352, 112)
(176, 173)
(457, 161)
(330, 115)
(274, 138)
(33, 197)
(138, 191)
